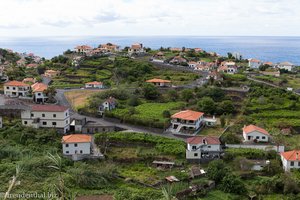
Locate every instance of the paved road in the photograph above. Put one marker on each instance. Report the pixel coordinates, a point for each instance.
(61, 100)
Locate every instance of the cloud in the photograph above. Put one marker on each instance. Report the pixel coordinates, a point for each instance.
(167, 17)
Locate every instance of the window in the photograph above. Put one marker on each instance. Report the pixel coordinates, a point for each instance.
(67, 152)
(81, 151)
(25, 122)
(44, 123)
(54, 115)
(298, 164)
(257, 137)
(292, 163)
(208, 146)
(14, 88)
(39, 94)
(54, 123)
(43, 115)
(263, 137)
(67, 122)
(66, 113)
(7, 88)
(75, 145)
(32, 115)
(194, 147)
(195, 155)
(67, 145)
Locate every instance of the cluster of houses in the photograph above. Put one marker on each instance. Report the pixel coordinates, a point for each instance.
(109, 48)
(255, 64)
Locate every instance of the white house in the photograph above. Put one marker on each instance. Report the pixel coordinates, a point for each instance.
(94, 84)
(160, 82)
(186, 122)
(77, 144)
(290, 160)
(254, 63)
(16, 89)
(83, 49)
(47, 116)
(136, 48)
(38, 91)
(108, 104)
(286, 65)
(192, 64)
(255, 133)
(203, 147)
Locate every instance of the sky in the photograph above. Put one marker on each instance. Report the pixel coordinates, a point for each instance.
(23, 18)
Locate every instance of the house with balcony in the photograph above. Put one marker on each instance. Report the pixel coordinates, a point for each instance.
(38, 91)
(109, 47)
(203, 148)
(47, 116)
(290, 160)
(136, 48)
(187, 122)
(286, 65)
(83, 49)
(254, 63)
(256, 134)
(16, 89)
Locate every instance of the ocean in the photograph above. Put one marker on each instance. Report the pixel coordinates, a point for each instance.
(274, 49)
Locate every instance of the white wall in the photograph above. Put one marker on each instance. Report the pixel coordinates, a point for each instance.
(279, 148)
(256, 135)
(208, 147)
(71, 149)
(9, 90)
(287, 164)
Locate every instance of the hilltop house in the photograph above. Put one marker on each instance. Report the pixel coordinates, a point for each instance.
(47, 116)
(38, 91)
(192, 64)
(286, 65)
(83, 49)
(254, 63)
(77, 144)
(108, 105)
(255, 133)
(136, 48)
(158, 57)
(290, 160)
(203, 148)
(16, 89)
(160, 82)
(187, 122)
(109, 47)
(51, 73)
(177, 60)
(227, 69)
(94, 84)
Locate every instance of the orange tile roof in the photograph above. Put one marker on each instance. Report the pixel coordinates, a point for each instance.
(83, 47)
(39, 87)
(251, 128)
(188, 115)
(199, 140)
(157, 80)
(255, 60)
(76, 138)
(94, 83)
(16, 83)
(291, 155)
(32, 80)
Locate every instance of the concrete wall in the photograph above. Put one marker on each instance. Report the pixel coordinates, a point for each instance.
(279, 148)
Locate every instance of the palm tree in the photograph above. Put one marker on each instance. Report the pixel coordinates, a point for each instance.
(14, 181)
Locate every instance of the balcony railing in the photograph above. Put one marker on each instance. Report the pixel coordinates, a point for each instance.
(183, 122)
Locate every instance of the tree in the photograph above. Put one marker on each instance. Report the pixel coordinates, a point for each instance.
(150, 92)
(50, 93)
(229, 55)
(166, 114)
(207, 105)
(217, 170)
(226, 107)
(264, 67)
(232, 184)
(222, 120)
(133, 101)
(187, 94)
(172, 95)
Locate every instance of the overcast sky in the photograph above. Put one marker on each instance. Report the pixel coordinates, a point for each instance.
(20, 18)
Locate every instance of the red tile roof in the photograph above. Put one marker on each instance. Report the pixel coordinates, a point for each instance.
(76, 138)
(16, 83)
(251, 128)
(48, 108)
(157, 80)
(39, 87)
(83, 47)
(94, 83)
(254, 60)
(199, 140)
(291, 155)
(188, 115)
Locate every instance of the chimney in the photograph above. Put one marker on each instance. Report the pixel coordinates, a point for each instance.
(297, 155)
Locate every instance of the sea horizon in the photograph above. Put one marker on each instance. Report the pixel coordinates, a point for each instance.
(266, 48)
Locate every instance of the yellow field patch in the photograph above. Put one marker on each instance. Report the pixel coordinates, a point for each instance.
(78, 98)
